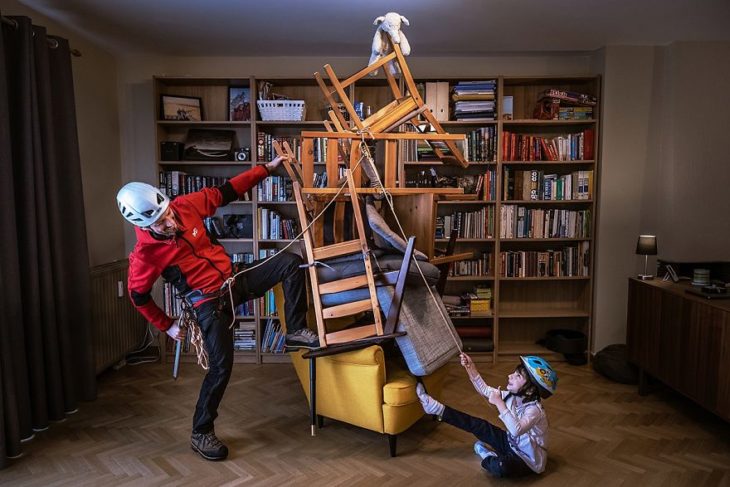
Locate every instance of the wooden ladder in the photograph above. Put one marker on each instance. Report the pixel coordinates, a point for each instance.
(314, 255)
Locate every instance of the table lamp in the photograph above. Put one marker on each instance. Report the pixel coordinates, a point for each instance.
(646, 246)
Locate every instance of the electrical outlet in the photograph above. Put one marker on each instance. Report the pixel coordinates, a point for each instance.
(120, 289)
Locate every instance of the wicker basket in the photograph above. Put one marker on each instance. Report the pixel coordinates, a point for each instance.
(289, 110)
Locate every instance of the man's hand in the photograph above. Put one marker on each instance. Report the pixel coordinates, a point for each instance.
(272, 165)
(175, 332)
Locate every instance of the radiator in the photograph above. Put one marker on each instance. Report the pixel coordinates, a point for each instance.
(117, 328)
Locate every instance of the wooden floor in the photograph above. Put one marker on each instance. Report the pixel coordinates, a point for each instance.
(137, 433)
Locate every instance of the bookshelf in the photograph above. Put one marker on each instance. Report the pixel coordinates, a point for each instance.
(523, 307)
(213, 93)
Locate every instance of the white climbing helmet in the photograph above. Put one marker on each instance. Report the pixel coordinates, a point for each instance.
(141, 204)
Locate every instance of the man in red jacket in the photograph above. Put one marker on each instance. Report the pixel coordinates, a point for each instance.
(172, 243)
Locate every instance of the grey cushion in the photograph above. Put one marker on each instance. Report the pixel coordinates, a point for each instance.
(384, 236)
(430, 341)
(345, 268)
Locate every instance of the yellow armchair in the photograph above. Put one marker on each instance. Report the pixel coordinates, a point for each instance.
(364, 389)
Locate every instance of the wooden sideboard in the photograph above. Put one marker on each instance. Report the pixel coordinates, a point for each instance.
(682, 340)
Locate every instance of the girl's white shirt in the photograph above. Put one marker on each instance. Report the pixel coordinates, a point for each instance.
(526, 424)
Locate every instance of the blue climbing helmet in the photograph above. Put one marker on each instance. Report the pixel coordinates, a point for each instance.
(541, 374)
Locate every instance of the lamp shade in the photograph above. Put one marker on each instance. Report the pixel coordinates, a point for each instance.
(646, 245)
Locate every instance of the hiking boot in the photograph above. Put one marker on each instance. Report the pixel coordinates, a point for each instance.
(304, 338)
(209, 446)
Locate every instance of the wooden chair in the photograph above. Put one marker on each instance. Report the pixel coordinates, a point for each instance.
(407, 106)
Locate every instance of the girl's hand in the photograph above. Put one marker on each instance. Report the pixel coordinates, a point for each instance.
(466, 361)
(495, 397)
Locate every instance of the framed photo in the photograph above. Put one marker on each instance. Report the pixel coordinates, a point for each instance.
(239, 103)
(176, 107)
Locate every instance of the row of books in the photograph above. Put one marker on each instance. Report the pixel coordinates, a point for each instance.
(272, 226)
(567, 147)
(534, 184)
(275, 188)
(469, 224)
(473, 267)
(522, 222)
(274, 339)
(265, 148)
(175, 183)
(481, 144)
(320, 180)
(569, 261)
(244, 339)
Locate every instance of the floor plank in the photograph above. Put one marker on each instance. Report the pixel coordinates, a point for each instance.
(137, 433)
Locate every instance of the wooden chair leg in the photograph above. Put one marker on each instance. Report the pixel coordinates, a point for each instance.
(392, 444)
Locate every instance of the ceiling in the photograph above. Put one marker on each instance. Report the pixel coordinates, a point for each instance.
(344, 27)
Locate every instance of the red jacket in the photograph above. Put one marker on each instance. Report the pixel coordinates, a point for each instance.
(188, 259)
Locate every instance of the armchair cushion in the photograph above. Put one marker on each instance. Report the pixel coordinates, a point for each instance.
(400, 389)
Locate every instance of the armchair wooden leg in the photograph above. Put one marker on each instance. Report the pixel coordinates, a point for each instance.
(392, 444)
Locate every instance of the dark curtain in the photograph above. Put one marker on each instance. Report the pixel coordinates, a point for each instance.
(46, 358)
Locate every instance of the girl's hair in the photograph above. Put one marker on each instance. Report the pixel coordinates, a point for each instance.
(530, 391)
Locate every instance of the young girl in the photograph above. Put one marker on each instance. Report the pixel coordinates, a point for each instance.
(521, 449)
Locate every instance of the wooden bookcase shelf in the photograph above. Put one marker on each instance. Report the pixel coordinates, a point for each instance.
(523, 308)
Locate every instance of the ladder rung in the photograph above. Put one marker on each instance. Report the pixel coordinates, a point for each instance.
(347, 309)
(335, 250)
(351, 334)
(343, 284)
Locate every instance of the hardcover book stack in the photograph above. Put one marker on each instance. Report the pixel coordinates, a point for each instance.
(474, 100)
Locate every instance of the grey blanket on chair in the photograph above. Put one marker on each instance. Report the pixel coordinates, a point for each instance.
(429, 342)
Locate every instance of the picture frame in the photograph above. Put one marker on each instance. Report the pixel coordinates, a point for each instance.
(239, 103)
(180, 107)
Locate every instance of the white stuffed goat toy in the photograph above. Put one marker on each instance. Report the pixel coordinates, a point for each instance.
(389, 24)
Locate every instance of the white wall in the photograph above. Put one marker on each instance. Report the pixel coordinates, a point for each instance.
(664, 166)
(95, 87)
(694, 177)
(627, 88)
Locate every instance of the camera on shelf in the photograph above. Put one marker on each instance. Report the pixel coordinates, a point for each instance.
(242, 154)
